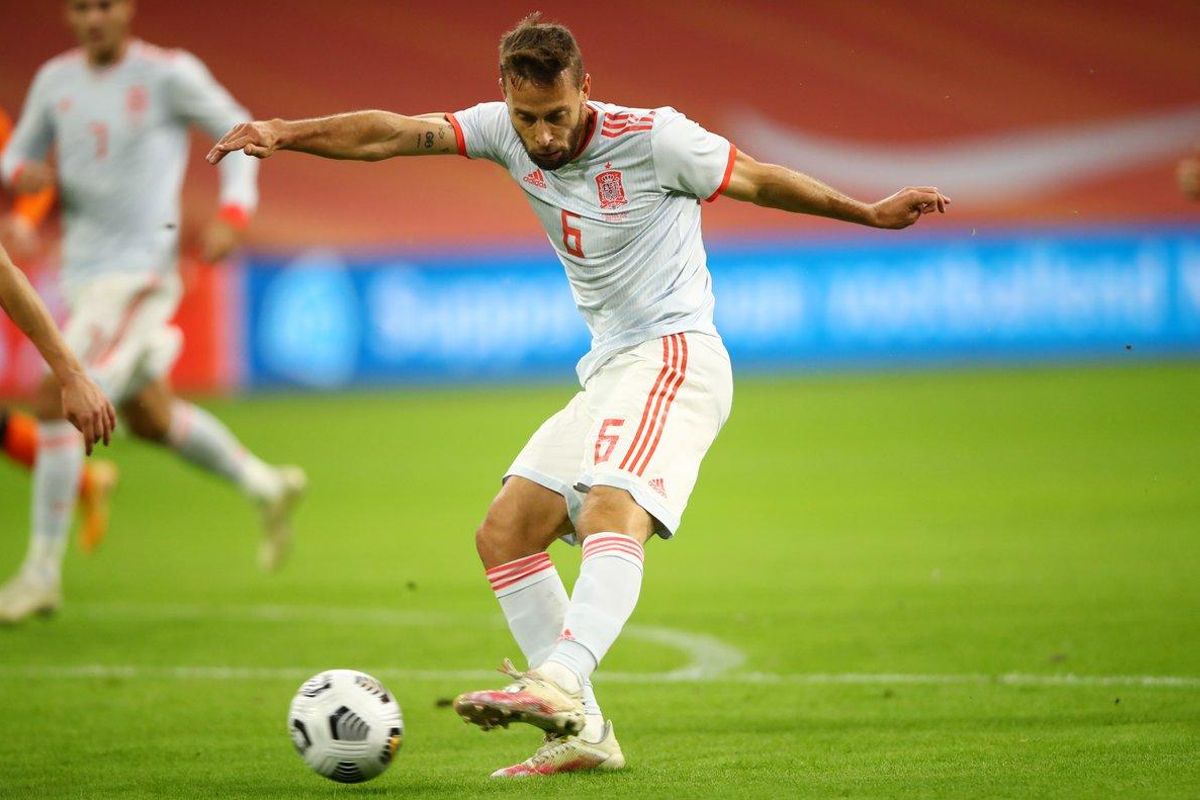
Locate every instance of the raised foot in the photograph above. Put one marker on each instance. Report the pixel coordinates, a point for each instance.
(277, 518)
(531, 698)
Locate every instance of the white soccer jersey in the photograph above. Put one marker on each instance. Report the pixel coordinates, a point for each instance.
(122, 138)
(623, 216)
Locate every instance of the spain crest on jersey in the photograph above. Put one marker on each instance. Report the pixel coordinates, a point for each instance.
(611, 189)
(137, 100)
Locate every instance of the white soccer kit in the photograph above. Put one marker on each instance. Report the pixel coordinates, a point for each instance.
(624, 219)
(121, 137)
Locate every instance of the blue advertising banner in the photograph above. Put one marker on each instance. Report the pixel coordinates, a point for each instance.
(324, 319)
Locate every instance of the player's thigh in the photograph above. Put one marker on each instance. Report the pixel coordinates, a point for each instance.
(524, 518)
(658, 409)
(148, 412)
(613, 510)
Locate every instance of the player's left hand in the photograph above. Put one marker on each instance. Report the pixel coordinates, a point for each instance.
(86, 407)
(907, 205)
(220, 238)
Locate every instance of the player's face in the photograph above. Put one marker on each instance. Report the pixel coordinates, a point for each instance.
(549, 119)
(100, 25)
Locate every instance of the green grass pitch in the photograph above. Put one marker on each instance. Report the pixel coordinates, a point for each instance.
(880, 588)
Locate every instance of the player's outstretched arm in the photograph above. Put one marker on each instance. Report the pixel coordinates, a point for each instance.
(359, 135)
(774, 186)
(84, 405)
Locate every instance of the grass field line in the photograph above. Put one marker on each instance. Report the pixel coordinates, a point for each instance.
(707, 659)
(704, 655)
(298, 674)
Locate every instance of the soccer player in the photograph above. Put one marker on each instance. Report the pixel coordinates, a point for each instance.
(18, 432)
(118, 110)
(618, 191)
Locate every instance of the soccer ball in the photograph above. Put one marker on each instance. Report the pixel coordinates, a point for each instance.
(345, 725)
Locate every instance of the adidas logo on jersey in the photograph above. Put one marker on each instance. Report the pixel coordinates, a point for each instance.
(536, 178)
(657, 485)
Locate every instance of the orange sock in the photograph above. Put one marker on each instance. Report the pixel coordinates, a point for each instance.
(20, 438)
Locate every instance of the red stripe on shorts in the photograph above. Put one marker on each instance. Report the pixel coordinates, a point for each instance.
(662, 425)
(649, 402)
(656, 417)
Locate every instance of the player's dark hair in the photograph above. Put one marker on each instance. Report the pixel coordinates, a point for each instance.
(538, 52)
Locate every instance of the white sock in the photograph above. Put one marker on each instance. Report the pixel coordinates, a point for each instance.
(203, 440)
(534, 602)
(610, 580)
(56, 472)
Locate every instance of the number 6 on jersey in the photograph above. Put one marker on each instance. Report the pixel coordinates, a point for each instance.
(572, 237)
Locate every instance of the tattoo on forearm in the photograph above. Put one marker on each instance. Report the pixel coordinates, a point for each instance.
(429, 140)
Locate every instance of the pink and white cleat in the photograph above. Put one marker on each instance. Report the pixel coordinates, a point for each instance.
(531, 698)
(569, 754)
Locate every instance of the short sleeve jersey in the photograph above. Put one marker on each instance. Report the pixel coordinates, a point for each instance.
(623, 216)
(121, 134)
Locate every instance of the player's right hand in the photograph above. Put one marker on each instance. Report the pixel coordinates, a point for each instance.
(259, 139)
(86, 407)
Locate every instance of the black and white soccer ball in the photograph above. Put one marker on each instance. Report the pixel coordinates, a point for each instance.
(345, 725)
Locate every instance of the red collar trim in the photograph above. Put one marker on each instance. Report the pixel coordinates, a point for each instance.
(593, 115)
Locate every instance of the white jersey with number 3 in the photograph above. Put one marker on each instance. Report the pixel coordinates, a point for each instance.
(121, 134)
(623, 216)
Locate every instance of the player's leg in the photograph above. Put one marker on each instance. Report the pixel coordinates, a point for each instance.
(614, 530)
(36, 588)
(155, 414)
(18, 439)
(523, 520)
(655, 414)
(537, 695)
(533, 508)
(644, 469)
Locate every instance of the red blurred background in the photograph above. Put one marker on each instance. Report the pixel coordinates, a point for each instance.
(964, 95)
(886, 75)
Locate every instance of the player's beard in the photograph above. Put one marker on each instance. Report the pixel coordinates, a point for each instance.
(568, 153)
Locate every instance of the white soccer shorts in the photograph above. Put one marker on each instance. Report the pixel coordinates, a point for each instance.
(642, 423)
(120, 328)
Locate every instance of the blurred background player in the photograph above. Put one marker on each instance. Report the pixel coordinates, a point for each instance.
(617, 191)
(118, 111)
(18, 431)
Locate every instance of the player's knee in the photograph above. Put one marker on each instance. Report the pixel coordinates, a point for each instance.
(148, 413)
(608, 509)
(494, 537)
(499, 539)
(145, 425)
